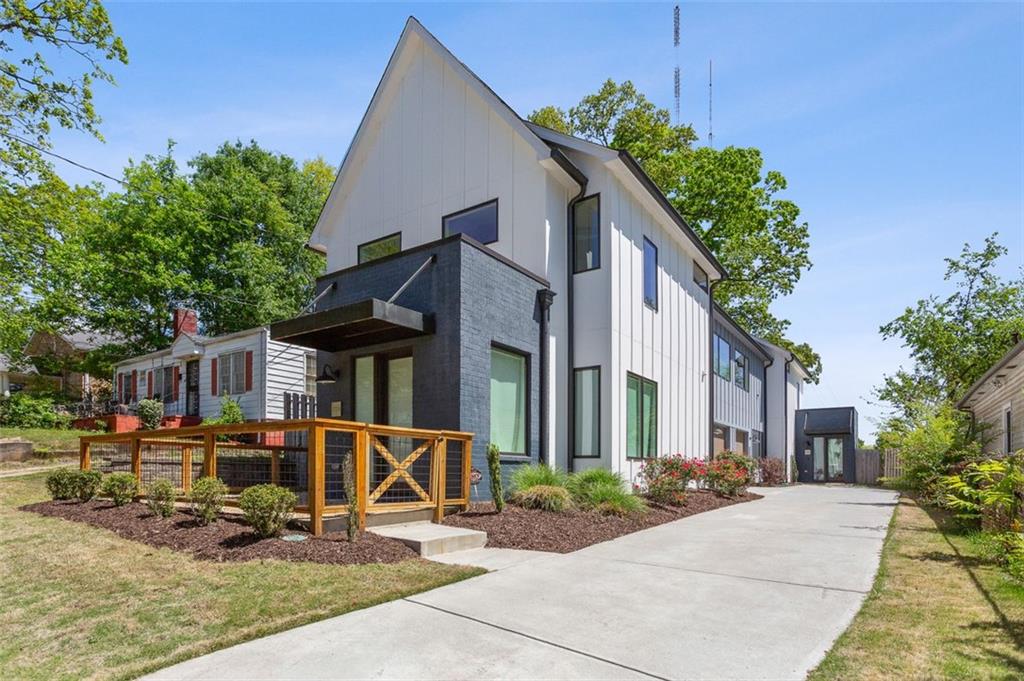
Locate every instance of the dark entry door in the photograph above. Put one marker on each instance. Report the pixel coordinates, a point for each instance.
(192, 388)
(383, 389)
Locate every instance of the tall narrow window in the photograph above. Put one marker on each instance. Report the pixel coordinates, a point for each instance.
(364, 389)
(387, 245)
(742, 378)
(650, 274)
(310, 374)
(588, 412)
(479, 222)
(586, 221)
(508, 401)
(722, 359)
(641, 417)
(700, 277)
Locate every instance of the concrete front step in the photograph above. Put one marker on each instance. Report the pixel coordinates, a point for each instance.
(430, 539)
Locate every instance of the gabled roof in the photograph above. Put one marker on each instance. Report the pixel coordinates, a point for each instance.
(198, 340)
(415, 32)
(1006, 363)
(788, 356)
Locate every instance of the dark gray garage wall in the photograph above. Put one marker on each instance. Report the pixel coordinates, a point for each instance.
(477, 299)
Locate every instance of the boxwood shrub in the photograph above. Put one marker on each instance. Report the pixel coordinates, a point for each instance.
(62, 484)
(87, 484)
(207, 499)
(160, 496)
(267, 508)
(120, 487)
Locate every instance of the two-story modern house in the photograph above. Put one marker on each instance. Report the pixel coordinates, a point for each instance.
(785, 377)
(490, 275)
(739, 364)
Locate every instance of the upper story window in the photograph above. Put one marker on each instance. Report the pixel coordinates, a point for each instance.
(379, 248)
(742, 376)
(650, 274)
(479, 222)
(231, 368)
(586, 222)
(722, 357)
(700, 277)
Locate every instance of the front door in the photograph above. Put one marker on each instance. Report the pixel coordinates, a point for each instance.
(383, 389)
(828, 459)
(192, 387)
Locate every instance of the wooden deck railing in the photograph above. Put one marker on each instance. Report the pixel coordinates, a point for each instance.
(396, 469)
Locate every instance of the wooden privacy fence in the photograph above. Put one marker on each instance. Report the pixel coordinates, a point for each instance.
(395, 468)
(892, 467)
(867, 466)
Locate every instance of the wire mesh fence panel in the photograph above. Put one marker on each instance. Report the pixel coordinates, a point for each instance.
(400, 469)
(338, 445)
(111, 457)
(160, 460)
(241, 466)
(453, 469)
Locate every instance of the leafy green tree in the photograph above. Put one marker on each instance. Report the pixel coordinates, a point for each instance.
(725, 194)
(954, 339)
(33, 97)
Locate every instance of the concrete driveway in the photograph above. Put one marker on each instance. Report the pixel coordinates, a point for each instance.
(754, 591)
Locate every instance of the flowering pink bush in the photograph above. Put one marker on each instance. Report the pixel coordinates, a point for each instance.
(729, 473)
(665, 479)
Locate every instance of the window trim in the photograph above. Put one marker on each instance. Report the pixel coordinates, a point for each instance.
(359, 248)
(716, 355)
(643, 257)
(736, 354)
(166, 374)
(528, 412)
(497, 221)
(307, 358)
(597, 196)
(597, 368)
(642, 381)
(231, 372)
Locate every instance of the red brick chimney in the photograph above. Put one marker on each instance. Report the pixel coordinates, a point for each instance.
(185, 321)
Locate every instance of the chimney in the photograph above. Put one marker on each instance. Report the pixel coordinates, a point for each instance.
(185, 321)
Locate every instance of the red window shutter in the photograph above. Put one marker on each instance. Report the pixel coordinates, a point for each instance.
(213, 376)
(135, 384)
(149, 385)
(248, 371)
(174, 392)
(120, 386)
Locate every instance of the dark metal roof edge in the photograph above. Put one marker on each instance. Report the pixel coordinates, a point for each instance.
(742, 332)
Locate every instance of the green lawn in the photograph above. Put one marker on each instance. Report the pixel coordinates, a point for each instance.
(79, 602)
(939, 609)
(48, 439)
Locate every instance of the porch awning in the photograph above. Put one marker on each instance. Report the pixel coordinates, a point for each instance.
(828, 422)
(355, 325)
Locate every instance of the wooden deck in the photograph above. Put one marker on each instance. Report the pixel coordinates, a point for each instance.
(396, 469)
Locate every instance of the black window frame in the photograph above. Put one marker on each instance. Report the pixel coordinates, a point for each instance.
(737, 353)
(702, 284)
(497, 220)
(527, 396)
(650, 302)
(716, 355)
(597, 250)
(360, 247)
(640, 402)
(576, 444)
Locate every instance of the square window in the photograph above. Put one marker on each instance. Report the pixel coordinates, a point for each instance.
(479, 222)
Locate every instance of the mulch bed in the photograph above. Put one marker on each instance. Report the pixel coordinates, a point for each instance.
(228, 539)
(519, 528)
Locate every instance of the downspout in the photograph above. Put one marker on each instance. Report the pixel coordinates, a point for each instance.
(711, 368)
(545, 297)
(570, 383)
(785, 421)
(764, 407)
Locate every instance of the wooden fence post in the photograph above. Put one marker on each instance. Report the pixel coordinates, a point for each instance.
(440, 463)
(315, 464)
(210, 455)
(136, 448)
(275, 467)
(362, 443)
(467, 462)
(186, 469)
(84, 455)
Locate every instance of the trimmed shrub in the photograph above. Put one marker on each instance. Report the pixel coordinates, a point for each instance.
(773, 472)
(206, 499)
(160, 496)
(267, 508)
(150, 412)
(494, 471)
(527, 476)
(62, 484)
(120, 487)
(87, 484)
(665, 479)
(611, 498)
(543, 497)
(729, 474)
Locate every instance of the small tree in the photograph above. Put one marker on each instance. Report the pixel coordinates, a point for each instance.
(494, 468)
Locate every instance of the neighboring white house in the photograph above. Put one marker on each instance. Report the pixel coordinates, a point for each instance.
(785, 388)
(628, 344)
(192, 375)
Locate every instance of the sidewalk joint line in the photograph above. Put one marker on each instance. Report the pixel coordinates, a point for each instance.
(538, 639)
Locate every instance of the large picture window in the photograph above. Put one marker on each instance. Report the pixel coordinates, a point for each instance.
(231, 368)
(586, 223)
(650, 274)
(384, 246)
(509, 391)
(641, 417)
(479, 222)
(722, 359)
(742, 377)
(587, 405)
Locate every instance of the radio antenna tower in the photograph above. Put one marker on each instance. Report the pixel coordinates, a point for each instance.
(711, 132)
(675, 41)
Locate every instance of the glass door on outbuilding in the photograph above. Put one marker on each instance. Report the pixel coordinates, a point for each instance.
(828, 459)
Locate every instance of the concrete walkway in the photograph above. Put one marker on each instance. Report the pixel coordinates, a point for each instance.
(754, 591)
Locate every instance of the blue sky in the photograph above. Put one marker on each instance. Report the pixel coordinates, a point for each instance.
(900, 127)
